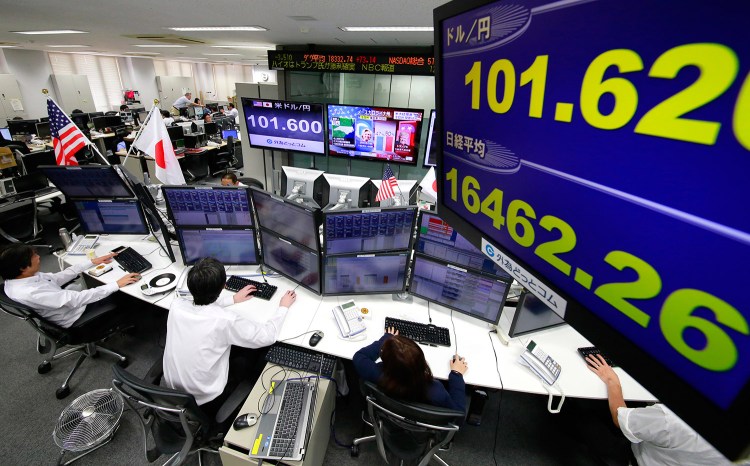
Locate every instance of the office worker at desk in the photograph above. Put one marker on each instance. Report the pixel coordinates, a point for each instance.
(167, 117)
(19, 266)
(404, 373)
(200, 335)
(230, 179)
(233, 112)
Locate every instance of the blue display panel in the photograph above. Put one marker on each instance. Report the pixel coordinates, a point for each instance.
(368, 230)
(230, 247)
(600, 151)
(374, 133)
(365, 274)
(88, 182)
(295, 262)
(204, 206)
(280, 125)
(111, 217)
(287, 218)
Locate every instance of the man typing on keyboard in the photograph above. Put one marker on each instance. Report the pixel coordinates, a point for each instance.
(199, 356)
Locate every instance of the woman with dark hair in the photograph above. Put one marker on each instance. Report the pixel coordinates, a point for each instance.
(403, 372)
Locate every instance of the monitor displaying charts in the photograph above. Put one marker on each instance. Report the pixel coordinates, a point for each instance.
(206, 206)
(229, 246)
(296, 262)
(100, 182)
(368, 230)
(287, 218)
(111, 217)
(365, 273)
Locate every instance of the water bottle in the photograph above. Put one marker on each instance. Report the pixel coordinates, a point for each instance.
(65, 237)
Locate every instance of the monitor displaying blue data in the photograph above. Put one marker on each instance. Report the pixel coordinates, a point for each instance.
(435, 238)
(91, 181)
(368, 230)
(206, 206)
(297, 263)
(5, 133)
(111, 217)
(289, 219)
(230, 247)
(468, 292)
(365, 274)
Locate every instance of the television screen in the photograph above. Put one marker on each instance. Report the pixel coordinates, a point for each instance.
(231, 247)
(297, 263)
(374, 133)
(111, 217)
(368, 230)
(198, 206)
(287, 218)
(88, 181)
(365, 274)
(280, 125)
(430, 153)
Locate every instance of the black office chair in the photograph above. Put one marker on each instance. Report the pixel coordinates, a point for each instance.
(52, 337)
(251, 182)
(172, 418)
(409, 433)
(18, 219)
(220, 163)
(111, 113)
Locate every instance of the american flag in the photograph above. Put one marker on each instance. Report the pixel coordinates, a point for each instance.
(67, 139)
(386, 187)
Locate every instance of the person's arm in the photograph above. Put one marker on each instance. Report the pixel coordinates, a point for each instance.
(364, 359)
(250, 334)
(599, 366)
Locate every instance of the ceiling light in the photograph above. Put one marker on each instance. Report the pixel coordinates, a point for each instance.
(223, 54)
(142, 53)
(68, 46)
(159, 46)
(387, 28)
(264, 47)
(60, 31)
(220, 28)
(8, 46)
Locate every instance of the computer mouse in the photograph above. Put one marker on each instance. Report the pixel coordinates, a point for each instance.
(315, 338)
(244, 421)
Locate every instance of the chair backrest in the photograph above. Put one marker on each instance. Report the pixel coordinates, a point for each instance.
(18, 220)
(44, 327)
(172, 417)
(410, 431)
(251, 182)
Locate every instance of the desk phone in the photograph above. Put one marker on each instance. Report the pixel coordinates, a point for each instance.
(349, 319)
(82, 243)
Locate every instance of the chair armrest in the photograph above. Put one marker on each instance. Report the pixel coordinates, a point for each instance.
(234, 401)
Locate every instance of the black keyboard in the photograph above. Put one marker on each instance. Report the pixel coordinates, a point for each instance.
(130, 260)
(421, 333)
(287, 421)
(179, 150)
(301, 359)
(585, 351)
(262, 290)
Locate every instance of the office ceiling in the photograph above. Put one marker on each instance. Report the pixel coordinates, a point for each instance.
(114, 25)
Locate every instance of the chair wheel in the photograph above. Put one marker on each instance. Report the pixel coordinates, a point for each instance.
(123, 363)
(62, 392)
(354, 451)
(44, 367)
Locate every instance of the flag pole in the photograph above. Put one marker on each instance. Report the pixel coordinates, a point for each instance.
(140, 130)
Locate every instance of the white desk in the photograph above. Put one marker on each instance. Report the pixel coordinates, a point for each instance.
(312, 312)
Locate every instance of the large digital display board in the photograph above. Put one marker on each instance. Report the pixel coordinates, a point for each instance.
(599, 151)
(280, 125)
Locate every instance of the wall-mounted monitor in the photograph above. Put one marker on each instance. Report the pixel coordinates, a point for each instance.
(406, 193)
(230, 246)
(463, 290)
(207, 206)
(365, 273)
(368, 230)
(287, 126)
(346, 191)
(374, 133)
(305, 184)
(430, 153)
(88, 181)
(111, 217)
(530, 315)
(287, 218)
(294, 261)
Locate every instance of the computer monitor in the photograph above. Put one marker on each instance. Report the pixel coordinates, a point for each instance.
(304, 183)
(206, 206)
(198, 112)
(282, 125)
(5, 133)
(368, 230)
(468, 292)
(230, 246)
(406, 193)
(226, 133)
(190, 112)
(90, 181)
(288, 219)
(212, 106)
(430, 153)
(81, 120)
(530, 315)
(33, 160)
(42, 131)
(96, 114)
(435, 238)
(175, 132)
(153, 215)
(294, 261)
(365, 274)
(111, 217)
(200, 127)
(22, 127)
(102, 122)
(142, 117)
(347, 191)
(211, 128)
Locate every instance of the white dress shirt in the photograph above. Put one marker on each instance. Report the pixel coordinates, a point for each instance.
(661, 438)
(43, 293)
(234, 113)
(169, 121)
(196, 354)
(182, 102)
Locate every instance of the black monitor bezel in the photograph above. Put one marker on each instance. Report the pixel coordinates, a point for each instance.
(314, 213)
(178, 232)
(407, 265)
(139, 208)
(47, 169)
(323, 123)
(514, 321)
(354, 211)
(295, 244)
(170, 214)
(29, 123)
(431, 127)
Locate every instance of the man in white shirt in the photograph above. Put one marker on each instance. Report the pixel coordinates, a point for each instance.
(200, 335)
(183, 103)
(234, 113)
(19, 266)
(167, 117)
(658, 437)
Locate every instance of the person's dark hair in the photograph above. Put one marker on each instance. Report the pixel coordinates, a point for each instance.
(230, 176)
(196, 100)
(406, 375)
(76, 110)
(165, 114)
(206, 280)
(231, 105)
(123, 108)
(13, 259)
(17, 118)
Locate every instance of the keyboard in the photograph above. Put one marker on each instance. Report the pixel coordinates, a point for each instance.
(179, 150)
(421, 333)
(130, 260)
(197, 150)
(263, 290)
(587, 350)
(301, 359)
(285, 432)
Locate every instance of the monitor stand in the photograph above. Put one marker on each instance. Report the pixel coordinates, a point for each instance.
(403, 297)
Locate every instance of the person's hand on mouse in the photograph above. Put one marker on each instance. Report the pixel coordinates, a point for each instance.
(459, 364)
(244, 294)
(128, 279)
(288, 299)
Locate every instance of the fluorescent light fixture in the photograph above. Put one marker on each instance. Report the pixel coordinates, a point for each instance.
(220, 28)
(59, 31)
(159, 46)
(263, 47)
(387, 28)
(223, 54)
(8, 46)
(68, 46)
(142, 53)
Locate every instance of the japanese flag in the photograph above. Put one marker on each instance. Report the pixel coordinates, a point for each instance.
(154, 141)
(429, 185)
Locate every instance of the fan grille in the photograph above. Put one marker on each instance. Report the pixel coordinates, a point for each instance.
(88, 420)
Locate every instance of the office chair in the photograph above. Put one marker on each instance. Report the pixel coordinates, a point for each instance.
(409, 433)
(18, 220)
(220, 163)
(52, 337)
(111, 113)
(251, 182)
(175, 422)
(236, 157)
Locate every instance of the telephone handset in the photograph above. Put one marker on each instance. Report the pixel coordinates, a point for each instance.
(349, 319)
(540, 363)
